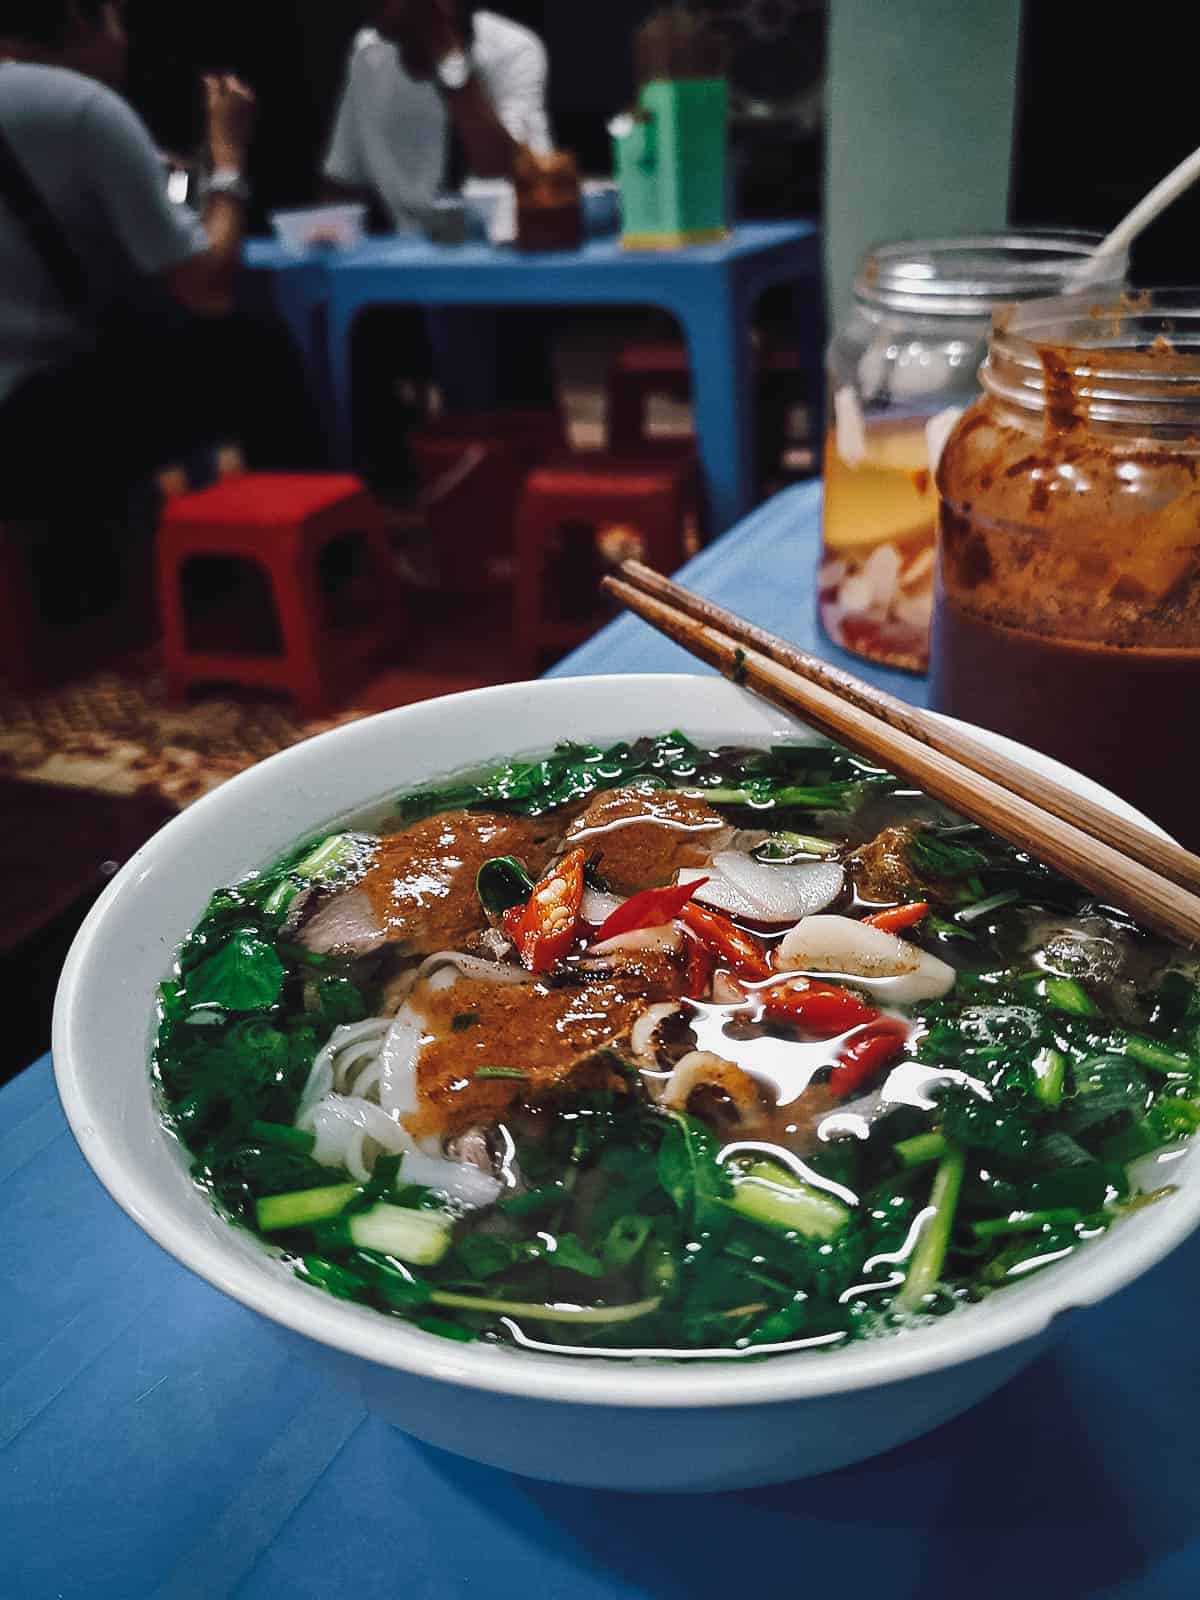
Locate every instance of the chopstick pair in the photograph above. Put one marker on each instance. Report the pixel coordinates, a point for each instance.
(1151, 878)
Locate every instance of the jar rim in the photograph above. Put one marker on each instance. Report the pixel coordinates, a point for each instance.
(973, 274)
(1135, 358)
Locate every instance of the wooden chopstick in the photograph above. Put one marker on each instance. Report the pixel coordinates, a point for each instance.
(1163, 856)
(1117, 878)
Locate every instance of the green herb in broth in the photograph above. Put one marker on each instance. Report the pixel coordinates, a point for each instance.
(1063, 1049)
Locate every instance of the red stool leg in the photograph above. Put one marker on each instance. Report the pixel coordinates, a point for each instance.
(534, 527)
(293, 578)
(626, 408)
(172, 556)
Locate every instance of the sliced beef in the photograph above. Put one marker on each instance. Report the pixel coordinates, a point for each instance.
(550, 1034)
(882, 871)
(644, 836)
(419, 891)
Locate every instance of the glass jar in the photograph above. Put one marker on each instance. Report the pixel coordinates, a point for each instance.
(900, 371)
(1068, 610)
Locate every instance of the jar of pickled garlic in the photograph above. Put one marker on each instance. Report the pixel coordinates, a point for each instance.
(1068, 609)
(900, 372)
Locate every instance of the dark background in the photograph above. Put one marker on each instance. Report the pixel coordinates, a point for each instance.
(1104, 110)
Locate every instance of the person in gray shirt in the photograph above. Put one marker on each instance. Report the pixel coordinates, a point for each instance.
(92, 165)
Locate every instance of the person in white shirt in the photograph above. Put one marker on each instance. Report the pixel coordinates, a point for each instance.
(428, 67)
(426, 74)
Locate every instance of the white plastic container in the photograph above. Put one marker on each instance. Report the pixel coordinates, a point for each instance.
(338, 227)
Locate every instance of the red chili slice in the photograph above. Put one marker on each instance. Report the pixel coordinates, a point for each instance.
(823, 1007)
(863, 1057)
(728, 943)
(544, 928)
(649, 909)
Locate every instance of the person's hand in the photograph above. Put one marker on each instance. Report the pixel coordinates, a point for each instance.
(231, 111)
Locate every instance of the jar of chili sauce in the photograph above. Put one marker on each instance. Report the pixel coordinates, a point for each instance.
(1068, 605)
(900, 369)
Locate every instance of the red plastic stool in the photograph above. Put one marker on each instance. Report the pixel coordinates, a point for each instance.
(648, 492)
(282, 523)
(643, 370)
(475, 525)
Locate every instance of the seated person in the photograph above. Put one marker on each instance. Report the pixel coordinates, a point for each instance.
(428, 75)
(96, 264)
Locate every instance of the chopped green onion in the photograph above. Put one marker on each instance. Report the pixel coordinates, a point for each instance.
(981, 908)
(925, 1268)
(547, 1312)
(420, 1237)
(1157, 1056)
(1026, 1222)
(767, 1193)
(783, 848)
(1049, 1068)
(947, 930)
(287, 1138)
(499, 1072)
(1064, 994)
(304, 1206)
(922, 1148)
(327, 1275)
(339, 851)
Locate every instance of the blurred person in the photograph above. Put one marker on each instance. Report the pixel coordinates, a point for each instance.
(437, 91)
(100, 275)
(425, 71)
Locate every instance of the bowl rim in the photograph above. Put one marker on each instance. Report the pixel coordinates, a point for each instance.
(253, 1279)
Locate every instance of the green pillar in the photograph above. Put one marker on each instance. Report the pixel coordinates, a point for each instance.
(921, 100)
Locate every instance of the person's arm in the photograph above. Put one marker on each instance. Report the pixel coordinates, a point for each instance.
(490, 148)
(203, 282)
(344, 171)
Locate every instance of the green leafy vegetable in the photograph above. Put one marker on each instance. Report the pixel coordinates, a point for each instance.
(689, 1171)
(245, 974)
(502, 883)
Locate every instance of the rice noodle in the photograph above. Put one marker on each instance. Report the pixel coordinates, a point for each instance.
(398, 1093)
(350, 1060)
(342, 1125)
(321, 1074)
(461, 1180)
(473, 967)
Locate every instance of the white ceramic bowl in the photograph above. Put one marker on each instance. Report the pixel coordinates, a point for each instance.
(697, 1425)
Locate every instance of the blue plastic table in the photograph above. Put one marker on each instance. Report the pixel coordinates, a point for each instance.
(155, 1440)
(711, 290)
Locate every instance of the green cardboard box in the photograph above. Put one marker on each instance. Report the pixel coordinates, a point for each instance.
(671, 158)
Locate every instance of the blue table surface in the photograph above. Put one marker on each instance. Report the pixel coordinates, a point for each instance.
(413, 250)
(154, 1440)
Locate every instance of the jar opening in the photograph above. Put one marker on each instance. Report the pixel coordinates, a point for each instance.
(1130, 361)
(973, 275)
